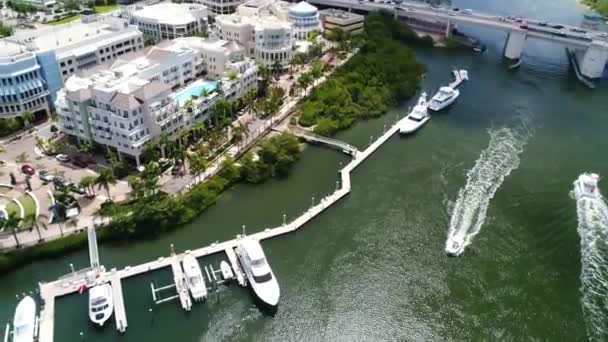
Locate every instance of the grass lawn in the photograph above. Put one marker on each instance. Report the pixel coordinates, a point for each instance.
(11, 207)
(64, 20)
(4, 189)
(29, 208)
(105, 8)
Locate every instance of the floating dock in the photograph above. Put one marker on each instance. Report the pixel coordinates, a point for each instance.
(459, 77)
(71, 283)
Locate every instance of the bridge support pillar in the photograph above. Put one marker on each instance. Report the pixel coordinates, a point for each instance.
(448, 30)
(594, 60)
(514, 46)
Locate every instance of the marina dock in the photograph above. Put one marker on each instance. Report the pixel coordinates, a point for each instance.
(71, 283)
(459, 77)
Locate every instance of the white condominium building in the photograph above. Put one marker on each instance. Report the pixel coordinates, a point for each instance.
(35, 63)
(168, 20)
(261, 27)
(157, 92)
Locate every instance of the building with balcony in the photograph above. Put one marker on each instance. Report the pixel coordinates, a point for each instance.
(335, 19)
(221, 6)
(305, 20)
(261, 26)
(34, 64)
(168, 20)
(157, 91)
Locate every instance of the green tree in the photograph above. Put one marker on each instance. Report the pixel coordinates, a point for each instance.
(5, 30)
(316, 71)
(197, 164)
(232, 75)
(164, 142)
(150, 151)
(137, 186)
(23, 157)
(12, 223)
(104, 180)
(88, 183)
(304, 81)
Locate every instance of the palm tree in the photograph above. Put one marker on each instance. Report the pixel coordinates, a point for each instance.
(239, 132)
(88, 183)
(150, 151)
(316, 71)
(221, 110)
(22, 158)
(276, 67)
(304, 81)
(232, 75)
(12, 223)
(104, 180)
(197, 165)
(40, 143)
(164, 141)
(27, 118)
(249, 100)
(136, 185)
(31, 217)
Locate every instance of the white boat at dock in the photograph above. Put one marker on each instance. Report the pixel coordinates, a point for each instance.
(226, 270)
(194, 277)
(444, 97)
(101, 303)
(25, 320)
(416, 118)
(258, 272)
(448, 94)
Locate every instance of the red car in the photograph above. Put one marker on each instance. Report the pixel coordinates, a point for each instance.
(28, 170)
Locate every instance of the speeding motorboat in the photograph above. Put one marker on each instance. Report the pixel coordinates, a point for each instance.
(416, 118)
(101, 303)
(444, 97)
(258, 272)
(25, 320)
(194, 277)
(585, 186)
(455, 244)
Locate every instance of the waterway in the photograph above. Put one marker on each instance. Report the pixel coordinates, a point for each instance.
(373, 267)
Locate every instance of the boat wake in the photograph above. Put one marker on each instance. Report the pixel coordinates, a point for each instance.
(593, 230)
(493, 165)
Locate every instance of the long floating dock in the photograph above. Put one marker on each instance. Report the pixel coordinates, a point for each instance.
(70, 284)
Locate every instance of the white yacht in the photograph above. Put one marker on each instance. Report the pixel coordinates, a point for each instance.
(444, 97)
(416, 118)
(25, 320)
(226, 270)
(586, 186)
(194, 277)
(101, 303)
(258, 272)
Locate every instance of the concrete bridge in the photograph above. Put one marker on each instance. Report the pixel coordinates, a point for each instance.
(594, 43)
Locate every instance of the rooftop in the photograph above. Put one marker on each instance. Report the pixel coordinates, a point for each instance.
(338, 13)
(303, 8)
(171, 13)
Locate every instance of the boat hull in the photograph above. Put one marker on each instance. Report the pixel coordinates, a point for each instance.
(24, 321)
(101, 317)
(409, 126)
(438, 107)
(192, 270)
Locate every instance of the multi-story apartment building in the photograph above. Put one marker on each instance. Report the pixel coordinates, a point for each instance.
(167, 20)
(141, 97)
(261, 27)
(35, 64)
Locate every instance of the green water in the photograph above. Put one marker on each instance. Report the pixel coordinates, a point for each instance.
(372, 268)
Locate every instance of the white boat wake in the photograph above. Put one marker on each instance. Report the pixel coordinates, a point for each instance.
(493, 165)
(593, 230)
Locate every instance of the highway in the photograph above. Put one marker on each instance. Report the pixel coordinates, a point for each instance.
(534, 28)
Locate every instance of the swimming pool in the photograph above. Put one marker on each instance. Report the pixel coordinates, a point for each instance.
(194, 90)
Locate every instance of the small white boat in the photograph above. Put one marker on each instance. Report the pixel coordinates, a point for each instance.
(258, 272)
(455, 244)
(445, 97)
(101, 303)
(586, 186)
(226, 270)
(25, 320)
(416, 118)
(194, 277)
(464, 75)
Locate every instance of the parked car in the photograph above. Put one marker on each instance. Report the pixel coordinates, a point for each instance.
(28, 170)
(523, 26)
(46, 176)
(80, 163)
(77, 189)
(456, 9)
(542, 23)
(559, 27)
(578, 30)
(62, 182)
(467, 11)
(62, 158)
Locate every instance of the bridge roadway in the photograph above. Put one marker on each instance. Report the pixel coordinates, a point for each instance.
(475, 18)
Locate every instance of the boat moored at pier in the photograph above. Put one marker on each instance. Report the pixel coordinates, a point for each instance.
(25, 320)
(416, 118)
(194, 277)
(101, 304)
(258, 272)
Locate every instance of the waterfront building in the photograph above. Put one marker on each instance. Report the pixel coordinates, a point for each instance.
(335, 19)
(167, 20)
(41, 4)
(262, 27)
(305, 20)
(34, 64)
(157, 91)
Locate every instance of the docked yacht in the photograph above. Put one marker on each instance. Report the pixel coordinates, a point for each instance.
(586, 186)
(101, 303)
(455, 244)
(258, 272)
(416, 118)
(25, 320)
(194, 277)
(445, 97)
